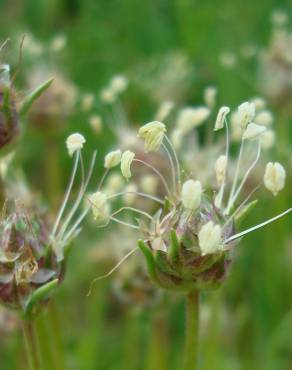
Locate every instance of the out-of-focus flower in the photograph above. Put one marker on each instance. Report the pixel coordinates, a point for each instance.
(189, 118)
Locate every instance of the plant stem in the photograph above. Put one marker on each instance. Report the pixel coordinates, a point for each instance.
(57, 337)
(31, 345)
(192, 330)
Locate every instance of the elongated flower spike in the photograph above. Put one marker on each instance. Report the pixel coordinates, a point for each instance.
(187, 241)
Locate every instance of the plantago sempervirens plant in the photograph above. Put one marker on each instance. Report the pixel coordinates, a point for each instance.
(188, 242)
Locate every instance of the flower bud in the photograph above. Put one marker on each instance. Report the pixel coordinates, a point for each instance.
(253, 131)
(274, 177)
(210, 238)
(246, 113)
(191, 194)
(189, 118)
(264, 118)
(112, 159)
(220, 169)
(153, 133)
(223, 111)
(75, 142)
(126, 161)
(99, 205)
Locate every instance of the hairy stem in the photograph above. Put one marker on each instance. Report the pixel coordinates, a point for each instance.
(192, 331)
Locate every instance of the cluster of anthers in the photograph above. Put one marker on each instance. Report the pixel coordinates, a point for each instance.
(187, 242)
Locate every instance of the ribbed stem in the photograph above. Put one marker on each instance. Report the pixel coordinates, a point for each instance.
(31, 345)
(191, 331)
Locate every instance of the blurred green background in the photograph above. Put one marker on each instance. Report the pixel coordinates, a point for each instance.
(247, 324)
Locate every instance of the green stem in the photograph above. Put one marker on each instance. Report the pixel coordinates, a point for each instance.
(55, 328)
(31, 345)
(46, 341)
(192, 331)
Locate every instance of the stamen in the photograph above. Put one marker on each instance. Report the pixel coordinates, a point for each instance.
(112, 270)
(79, 198)
(124, 223)
(137, 193)
(176, 159)
(239, 208)
(229, 204)
(247, 173)
(68, 192)
(239, 235)
(134, 210)
(158, 173)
